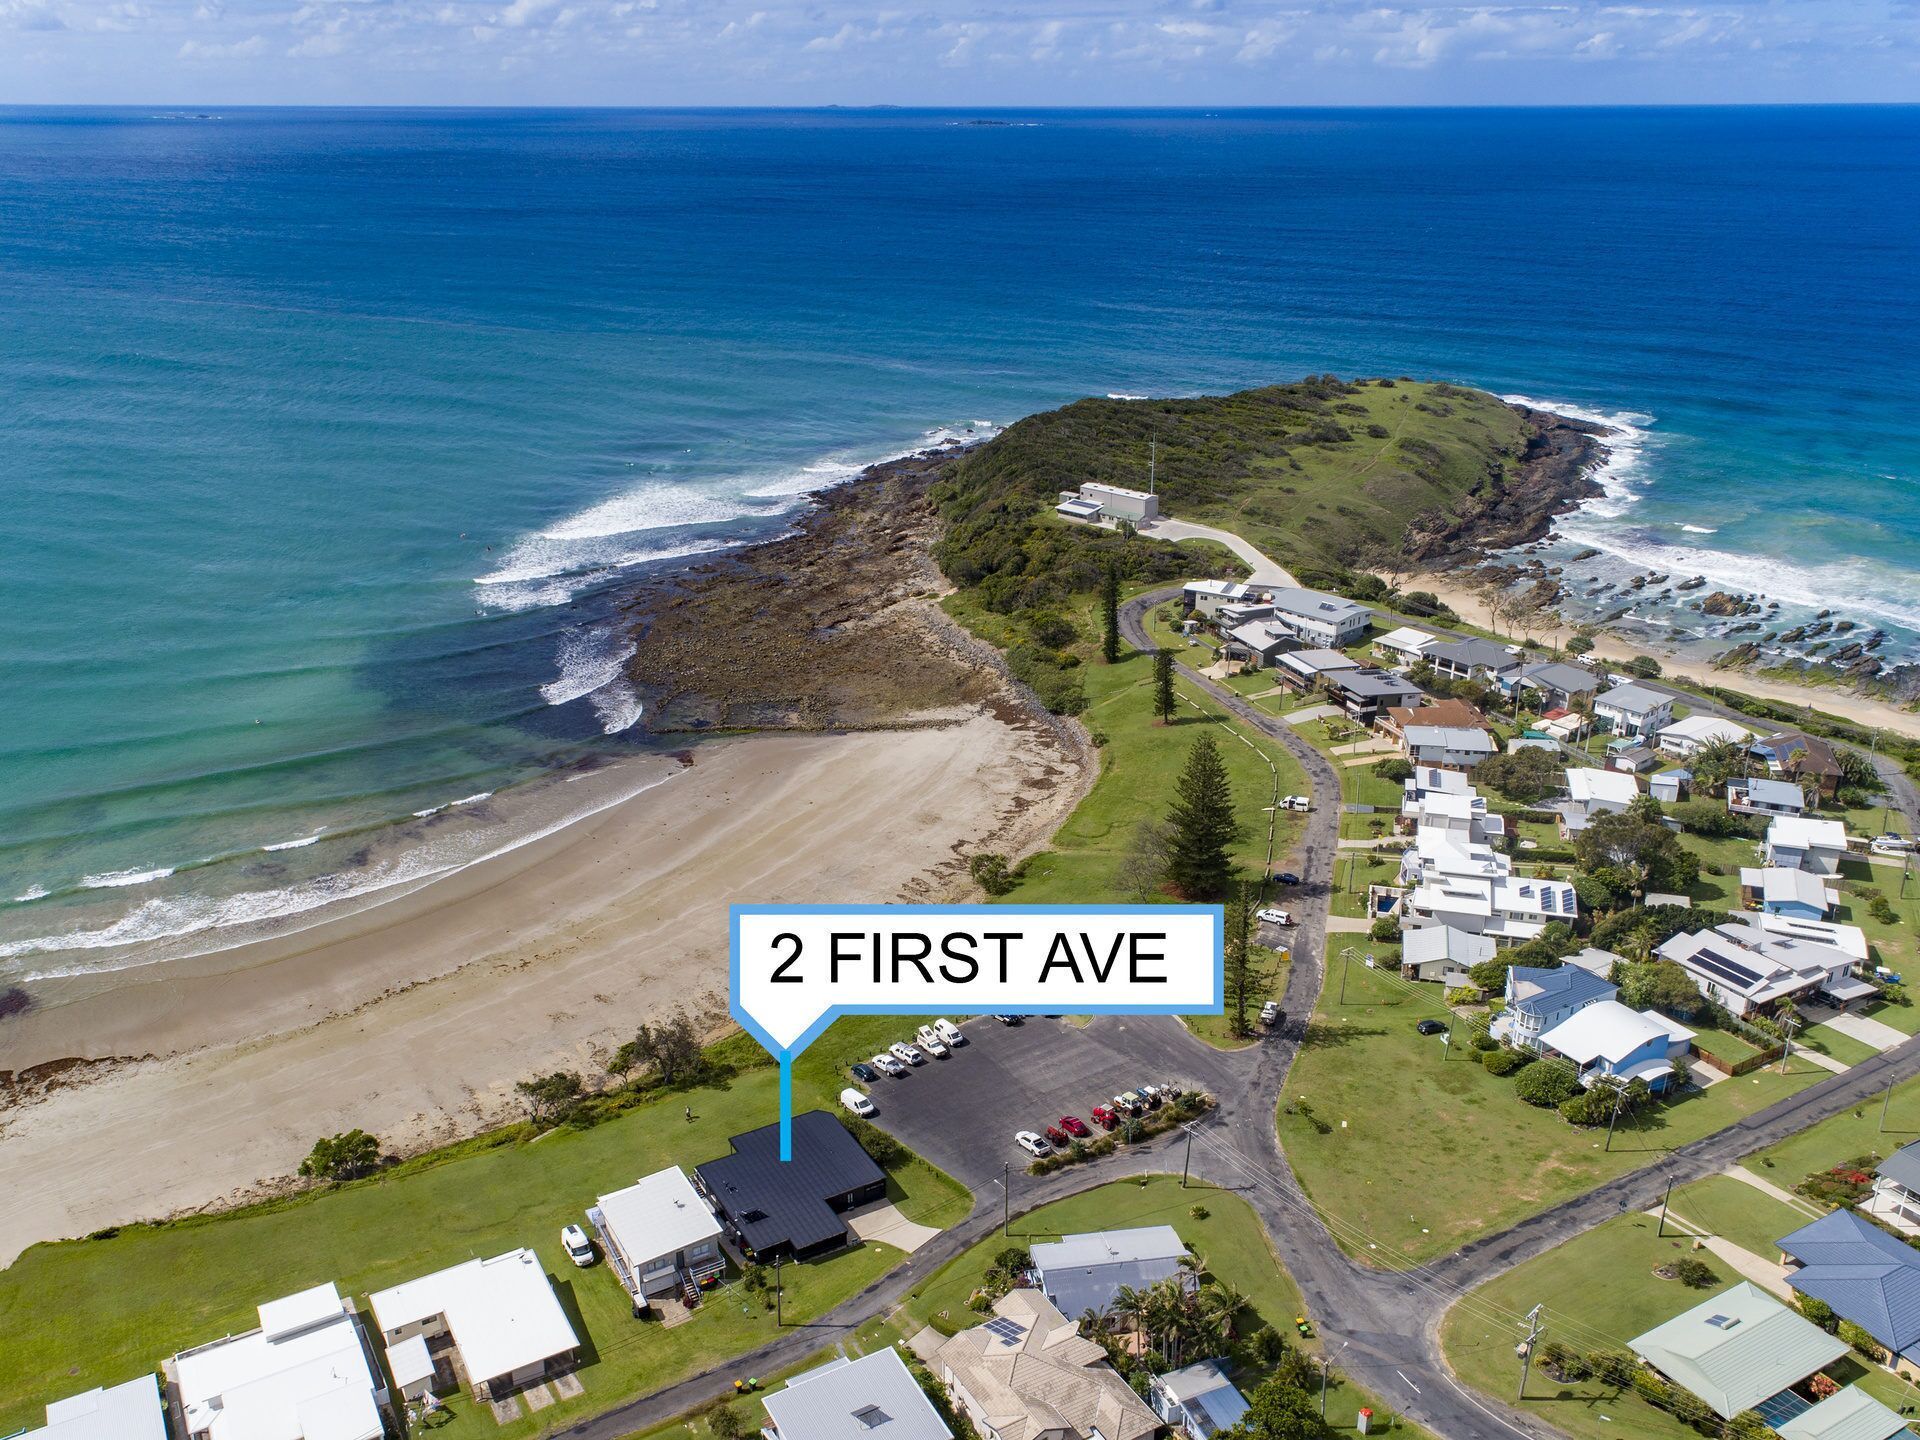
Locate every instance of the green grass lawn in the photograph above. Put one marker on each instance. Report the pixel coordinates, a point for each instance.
(1140, 764)
(1829, 1041)
(1727, 1045)
(1750, 1218)
(1846, 1136)
(1599, 1292)
(83, 1313)
(1391, 1099)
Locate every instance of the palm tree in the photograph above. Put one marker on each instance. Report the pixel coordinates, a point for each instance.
(1221, 1303)
(1130, 1306)
(1717, 762)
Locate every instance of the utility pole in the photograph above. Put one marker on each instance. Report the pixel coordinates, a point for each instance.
(1665, 1201)
(1619, 1091)
(1526, 1349)
(1325, 1365)
(778, 1321)
(1153, 452)
(1186, 1161)
(1786, 1046)
(1885, 1100)
(1006, 1198)
(1346, 958)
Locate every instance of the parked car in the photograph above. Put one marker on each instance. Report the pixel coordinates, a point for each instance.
(1274, 916)
(1057, 1136)
(1286, 877)
(1104, 1117)
(903, 1051)
(931, 1042)
(865, 1074)
(578, 1247)
(949, 1032)
(1032, 1143)
(1270, 1013)
(1297, 802)
(1431, 1027)
(887, 1065)
(859, 1104)
(1075, 1126)
(1008, 1019)
(1891, 845)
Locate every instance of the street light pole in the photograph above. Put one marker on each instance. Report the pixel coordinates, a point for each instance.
(1526, 1349)
(1186, 1162)
(1665, 1201)
(1006, 1197)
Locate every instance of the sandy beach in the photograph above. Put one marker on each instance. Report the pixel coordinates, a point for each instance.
(415, 1019)
(1832, 699)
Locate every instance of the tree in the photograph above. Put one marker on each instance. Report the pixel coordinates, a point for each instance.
(1712, 819)
(1204, 826)
(344, 1156)
(1110, 614)
(671, 1049)
(1524, 775)
(1857, 771)
(1717, 762)
(1143, 870)
(552, 1097)
(1643, 667)
(1248, 982)
(1163, 698)
(990, 873)
(1281, 1411)
(1661, 985)
(1396, 768)
(1650, 856)
(1579, 644)
(1545, 1085)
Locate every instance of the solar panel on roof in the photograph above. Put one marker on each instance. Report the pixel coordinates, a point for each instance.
(1716, 964)
(1010, 1331)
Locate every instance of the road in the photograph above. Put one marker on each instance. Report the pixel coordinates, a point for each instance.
(1263, 570)
(1381, 1326)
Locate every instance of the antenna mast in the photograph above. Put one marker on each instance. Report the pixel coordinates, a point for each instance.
(1152, 449)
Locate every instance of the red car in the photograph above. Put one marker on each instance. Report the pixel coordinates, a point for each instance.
(1075, 1126)
(1057, 1136)
(1105, 1118)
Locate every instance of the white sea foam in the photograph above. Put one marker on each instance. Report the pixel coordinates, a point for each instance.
(115, 879)
(32, 892)
(618, 706)
(177, 917)
(1621, 476)
(588, 660)
(299, 844)
(1701, 529)
(1123, 395)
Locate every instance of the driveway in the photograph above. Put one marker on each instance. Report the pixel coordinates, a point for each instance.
(1867, 1031)
(1265, 571)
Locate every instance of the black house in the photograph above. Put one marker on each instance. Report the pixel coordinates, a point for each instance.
(793, 1207)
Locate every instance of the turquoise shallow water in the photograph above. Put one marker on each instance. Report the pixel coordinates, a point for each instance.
(325, 437)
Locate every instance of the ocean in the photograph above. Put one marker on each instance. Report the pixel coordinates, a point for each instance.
(327, 438)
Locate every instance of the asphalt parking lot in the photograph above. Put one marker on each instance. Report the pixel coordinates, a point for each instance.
(961, 1113)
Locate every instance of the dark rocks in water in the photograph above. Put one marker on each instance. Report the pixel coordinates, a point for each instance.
(1638, 582)
(1656, 579)
(1587, 554)
(1847, 652)
(1544, 593)
(1721, 603)
(1843, 626)
(1823, 614)
(1517, 503)
(1556, 570)
(1620, 614)
(1743, 654)
(1745, 628)
(1698, 582)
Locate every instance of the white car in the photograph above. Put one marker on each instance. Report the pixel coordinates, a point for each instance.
(887, 1065)
(950, 1032)
(903, 1051)
(1033, 1144)
(1891, 845)
(1297, 802)
(930, 1041)
(859, 1104)
(578, 1247)
(1269, 1012)
(1274, 917)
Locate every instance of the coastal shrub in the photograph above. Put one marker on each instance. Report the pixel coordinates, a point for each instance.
(1396, 768)
(1694, 1273)
(1860, 1340)
(722, 1422)
(1504, 1061)
(1881, 910)
(1545, 1085)
(1713, 820)
(1644, 667)
(345, 1156)
(1817, 1310)
(1378, 432)
(670, 1049)
(990, 873)
(1563, 1362)
(1522, 775)
(1386, 930)
(1661, 985)
(1650, 854)
(1424, 604)
(552, 1097)
(882, 1148)
(1589, 1108)
(1052, 630)
(1483, 1042)
(1579, 644)
(1612, 1367)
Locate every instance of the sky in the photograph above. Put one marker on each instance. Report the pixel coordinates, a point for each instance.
(945, 53)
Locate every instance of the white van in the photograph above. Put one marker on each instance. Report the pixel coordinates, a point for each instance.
(930, 1041)
(1297, 802)
(949, 1032)
(859, 1104)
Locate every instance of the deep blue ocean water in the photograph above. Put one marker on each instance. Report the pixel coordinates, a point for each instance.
(324, 434)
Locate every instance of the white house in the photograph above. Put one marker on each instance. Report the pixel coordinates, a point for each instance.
(1467, 658)
(1747, 970)
(499, 1316)
(1507, 908)
(1403, 646)
(1608, 1040)
(1595, 792)
(1779, 891)
(1209, 597)
(1849, 940)
(1696, 732)
(1633, 711)
(1540, 998)
(1452, 747)
(1108, 502)
(1759, 796)
(1452, 813)
(1197, 1401)
(872, 1398)
(133, 1411)
(305, 1374)
(1669, 787)
(1798, 842)
(1319, 618)
(1443, 954)
(661, 1238)
(1304, 669)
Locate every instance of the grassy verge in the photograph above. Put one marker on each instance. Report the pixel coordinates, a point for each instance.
(1382, 1098)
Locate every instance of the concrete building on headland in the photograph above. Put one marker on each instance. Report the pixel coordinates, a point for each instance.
(1108, 503)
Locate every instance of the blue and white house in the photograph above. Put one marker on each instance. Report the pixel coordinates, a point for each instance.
(1610, 1041)
(1866, 1275)
(1780, 891)
(1198, 1401)
(1539, 999)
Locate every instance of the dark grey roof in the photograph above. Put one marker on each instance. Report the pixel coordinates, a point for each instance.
(1559, 987)
(1864, 1273)
(1553, 675)
(1471, 652)
(1371, 684)
(1903, 1167)
(774, 1202)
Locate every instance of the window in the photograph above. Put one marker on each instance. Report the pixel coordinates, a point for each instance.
(871, 1417)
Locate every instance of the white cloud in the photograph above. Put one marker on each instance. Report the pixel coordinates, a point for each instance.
(237, 50)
